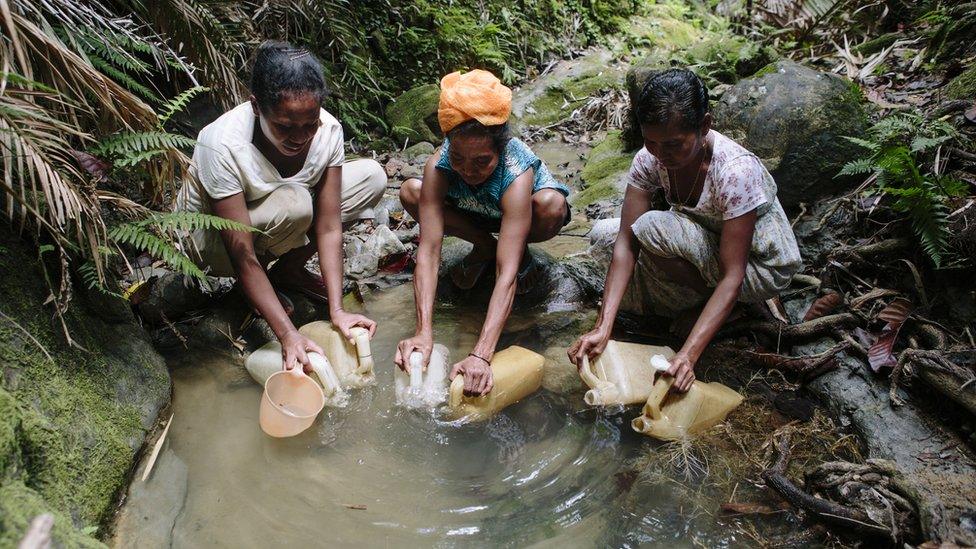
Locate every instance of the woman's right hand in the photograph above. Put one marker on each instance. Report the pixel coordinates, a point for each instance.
(423, 343)
(294, 351)
(589, 344)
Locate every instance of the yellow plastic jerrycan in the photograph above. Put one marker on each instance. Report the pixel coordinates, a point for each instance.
(353, 363)
(517, 373)
(622, 374)
(672, 416)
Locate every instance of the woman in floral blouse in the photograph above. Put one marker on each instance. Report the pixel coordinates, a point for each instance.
(724, 238)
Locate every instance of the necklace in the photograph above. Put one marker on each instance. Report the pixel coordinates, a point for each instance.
(698, 176)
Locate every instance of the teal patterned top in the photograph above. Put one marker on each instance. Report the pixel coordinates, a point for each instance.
(485, 199)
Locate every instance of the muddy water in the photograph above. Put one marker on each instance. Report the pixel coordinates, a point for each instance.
(544, 471)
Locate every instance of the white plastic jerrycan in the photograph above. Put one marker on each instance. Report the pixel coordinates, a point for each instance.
(353, 363)
(517, 373)
(267, 360)
(622, 374)
(672, 416)
(421, 388)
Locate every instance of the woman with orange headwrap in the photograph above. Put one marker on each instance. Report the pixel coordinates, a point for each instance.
(482, 182)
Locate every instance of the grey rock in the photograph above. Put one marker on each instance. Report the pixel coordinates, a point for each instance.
(794, 119)
(170, 297)
(152, 507)
(383, 243)
(363, 265)
(418, 152)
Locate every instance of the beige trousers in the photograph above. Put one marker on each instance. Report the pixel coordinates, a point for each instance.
(285, 215)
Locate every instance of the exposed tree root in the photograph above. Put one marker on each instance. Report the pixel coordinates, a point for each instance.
(827, 511)
(817, 327)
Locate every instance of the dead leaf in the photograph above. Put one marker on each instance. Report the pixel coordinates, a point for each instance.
(354, 506)
(881, 354)
(776, 308)
(896, 312)
(823, 306)
(95, 166)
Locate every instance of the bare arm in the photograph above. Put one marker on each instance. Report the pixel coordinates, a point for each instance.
(625, 254)
(516, 206)
(431, 207)
(254, 281)
(327, 225)
(734, 246)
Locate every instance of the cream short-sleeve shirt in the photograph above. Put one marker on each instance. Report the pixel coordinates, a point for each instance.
(225, 161)
(736, 183)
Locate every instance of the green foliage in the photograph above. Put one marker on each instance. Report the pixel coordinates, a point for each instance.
(159, 234)
(900, 147)
(178, 103)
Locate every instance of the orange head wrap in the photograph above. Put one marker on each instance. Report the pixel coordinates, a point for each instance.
(475, 95)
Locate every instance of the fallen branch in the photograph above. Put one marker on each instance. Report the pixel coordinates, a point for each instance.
(825, 510)
(824, 325)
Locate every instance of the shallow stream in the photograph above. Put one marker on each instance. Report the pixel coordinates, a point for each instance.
(545, 471)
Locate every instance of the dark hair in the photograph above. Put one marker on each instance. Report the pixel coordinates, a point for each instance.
(499, 134)
(673, 95)
(281, 69)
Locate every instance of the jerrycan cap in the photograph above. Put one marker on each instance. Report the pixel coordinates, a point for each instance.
(659, 363)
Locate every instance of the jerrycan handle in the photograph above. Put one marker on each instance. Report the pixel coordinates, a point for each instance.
(323, 368)
(365, 355)
(589, 377)
(661, 387)
(457, 391)
(416, 369)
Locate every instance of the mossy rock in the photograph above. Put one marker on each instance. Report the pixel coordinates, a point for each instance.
(794, 118)
(605, 166)
(560, 99)
(718, 58)
(413, 115)
(84, 411)
(19, 505)
(963, 86)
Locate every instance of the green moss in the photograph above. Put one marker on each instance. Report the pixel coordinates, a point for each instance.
(768, 69)
(724, 58)
(19, 505)
(83, 413)
(962, 86)
(413, 115)
(604, 166)
(559, 100)
(9, 425)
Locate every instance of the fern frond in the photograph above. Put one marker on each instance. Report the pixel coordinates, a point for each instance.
(140, 238)
(193, 221)
(124, 79)
(178, 103)
(135, 142)
(867, 144)
(860, 166)
(922, 144)
(135, 158)
(91, 280)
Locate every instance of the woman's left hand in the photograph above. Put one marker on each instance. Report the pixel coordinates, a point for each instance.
(477, 376)
(346, 321)
(683, 370)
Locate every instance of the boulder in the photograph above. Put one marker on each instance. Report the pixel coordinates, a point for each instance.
(171, 296)
(418, 152)
(74, 417)
(413, 115)
(794, 119)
